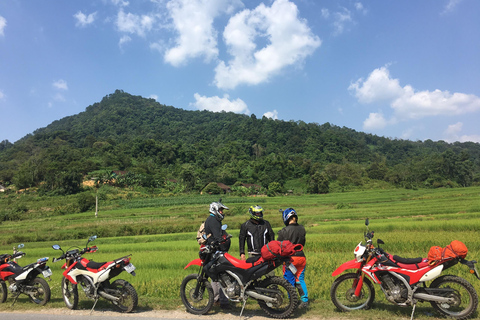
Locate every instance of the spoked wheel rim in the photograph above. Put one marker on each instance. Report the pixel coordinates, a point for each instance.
(343, 295)
(200, 302)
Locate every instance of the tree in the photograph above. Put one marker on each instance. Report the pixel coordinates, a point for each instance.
(318, 183)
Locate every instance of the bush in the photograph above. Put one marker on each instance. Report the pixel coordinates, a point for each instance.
(212, 188)
(85, 201)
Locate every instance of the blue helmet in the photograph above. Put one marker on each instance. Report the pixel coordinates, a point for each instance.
(287, 214)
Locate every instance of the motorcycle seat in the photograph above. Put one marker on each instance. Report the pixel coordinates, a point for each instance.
(237, 262)
(410, 263)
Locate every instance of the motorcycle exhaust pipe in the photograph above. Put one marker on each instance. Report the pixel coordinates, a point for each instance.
(429, 297)
(258, 296)
(108, 296)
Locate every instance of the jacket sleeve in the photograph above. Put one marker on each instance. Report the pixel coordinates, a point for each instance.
(241, 238)
(281, 236)
(270, 233)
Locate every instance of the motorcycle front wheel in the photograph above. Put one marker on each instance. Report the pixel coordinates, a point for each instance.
(196, 300)
(40, 292)
(284, 294)
(463, 293)
(3, 291)
(128, 298)
(70, 294)
(343, 295)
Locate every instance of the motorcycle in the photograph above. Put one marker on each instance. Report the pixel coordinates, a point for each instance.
(24, 280)
(403, 281)
(94, 278)
(239, 280)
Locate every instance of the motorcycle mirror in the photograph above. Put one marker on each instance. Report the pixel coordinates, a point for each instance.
(21, 245)
(224, 227)
(56, 247)
(367, 222)
(92, 238)
(380, 241)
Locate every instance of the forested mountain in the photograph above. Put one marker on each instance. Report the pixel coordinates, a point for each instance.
(156, 144)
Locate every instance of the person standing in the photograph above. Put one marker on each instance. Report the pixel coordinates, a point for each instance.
(257, 232)
(213, 228)
(296, 234)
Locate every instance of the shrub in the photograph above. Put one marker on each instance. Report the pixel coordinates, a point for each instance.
(85, 201)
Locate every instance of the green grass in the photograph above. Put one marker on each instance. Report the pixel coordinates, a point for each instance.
(160, 235)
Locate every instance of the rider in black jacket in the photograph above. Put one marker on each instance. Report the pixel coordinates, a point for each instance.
(257, 232)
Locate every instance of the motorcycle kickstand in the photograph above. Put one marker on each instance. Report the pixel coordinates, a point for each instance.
(15, 300)
(94, 304)
(243, 307)
(413, 311)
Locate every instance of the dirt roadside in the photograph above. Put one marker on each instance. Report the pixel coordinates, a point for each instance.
(163, 314)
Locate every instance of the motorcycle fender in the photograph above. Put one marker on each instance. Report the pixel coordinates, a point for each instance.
(196, 262)
(69, 277)
(352, 264)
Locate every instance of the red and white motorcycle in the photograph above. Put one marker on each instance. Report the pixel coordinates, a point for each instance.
(94, 278)
(403, 281)
(24, 280)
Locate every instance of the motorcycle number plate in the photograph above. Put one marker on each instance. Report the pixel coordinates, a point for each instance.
(47, 273)
(130, 268)
(292, 268)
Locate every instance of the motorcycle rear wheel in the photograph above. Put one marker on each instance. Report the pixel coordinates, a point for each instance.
(128, 296)
(343, 296)
(466, 299)
(70, 294)
(196, 304)
(3, 291)
(283, 292)
(41, 290)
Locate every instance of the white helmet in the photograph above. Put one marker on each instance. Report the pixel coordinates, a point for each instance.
(215, 208)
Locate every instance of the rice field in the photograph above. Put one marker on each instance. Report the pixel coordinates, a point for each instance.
(408, 221)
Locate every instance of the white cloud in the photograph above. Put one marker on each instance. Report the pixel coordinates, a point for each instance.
(453, 134)
(271, 114)
(378, 87)
(325, 13)
(289, 42)
(134, 24)
(454, 129)
(84, 20)
(193, 20)
(341, 19)
(2, 95)
(450, 6)
(217, 104)
(120, 3)
(472, 138)
(123, 40)
(409, 104)
(3, 24)
(374, 121)
(360, 8)
(60, 84)
(154, 97)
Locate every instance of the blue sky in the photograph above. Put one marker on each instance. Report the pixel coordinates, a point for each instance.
(401, 69)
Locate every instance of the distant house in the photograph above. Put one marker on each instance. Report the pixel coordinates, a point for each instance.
(224, 187)
(251, 185)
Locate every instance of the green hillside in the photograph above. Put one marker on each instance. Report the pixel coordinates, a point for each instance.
(174, 150)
